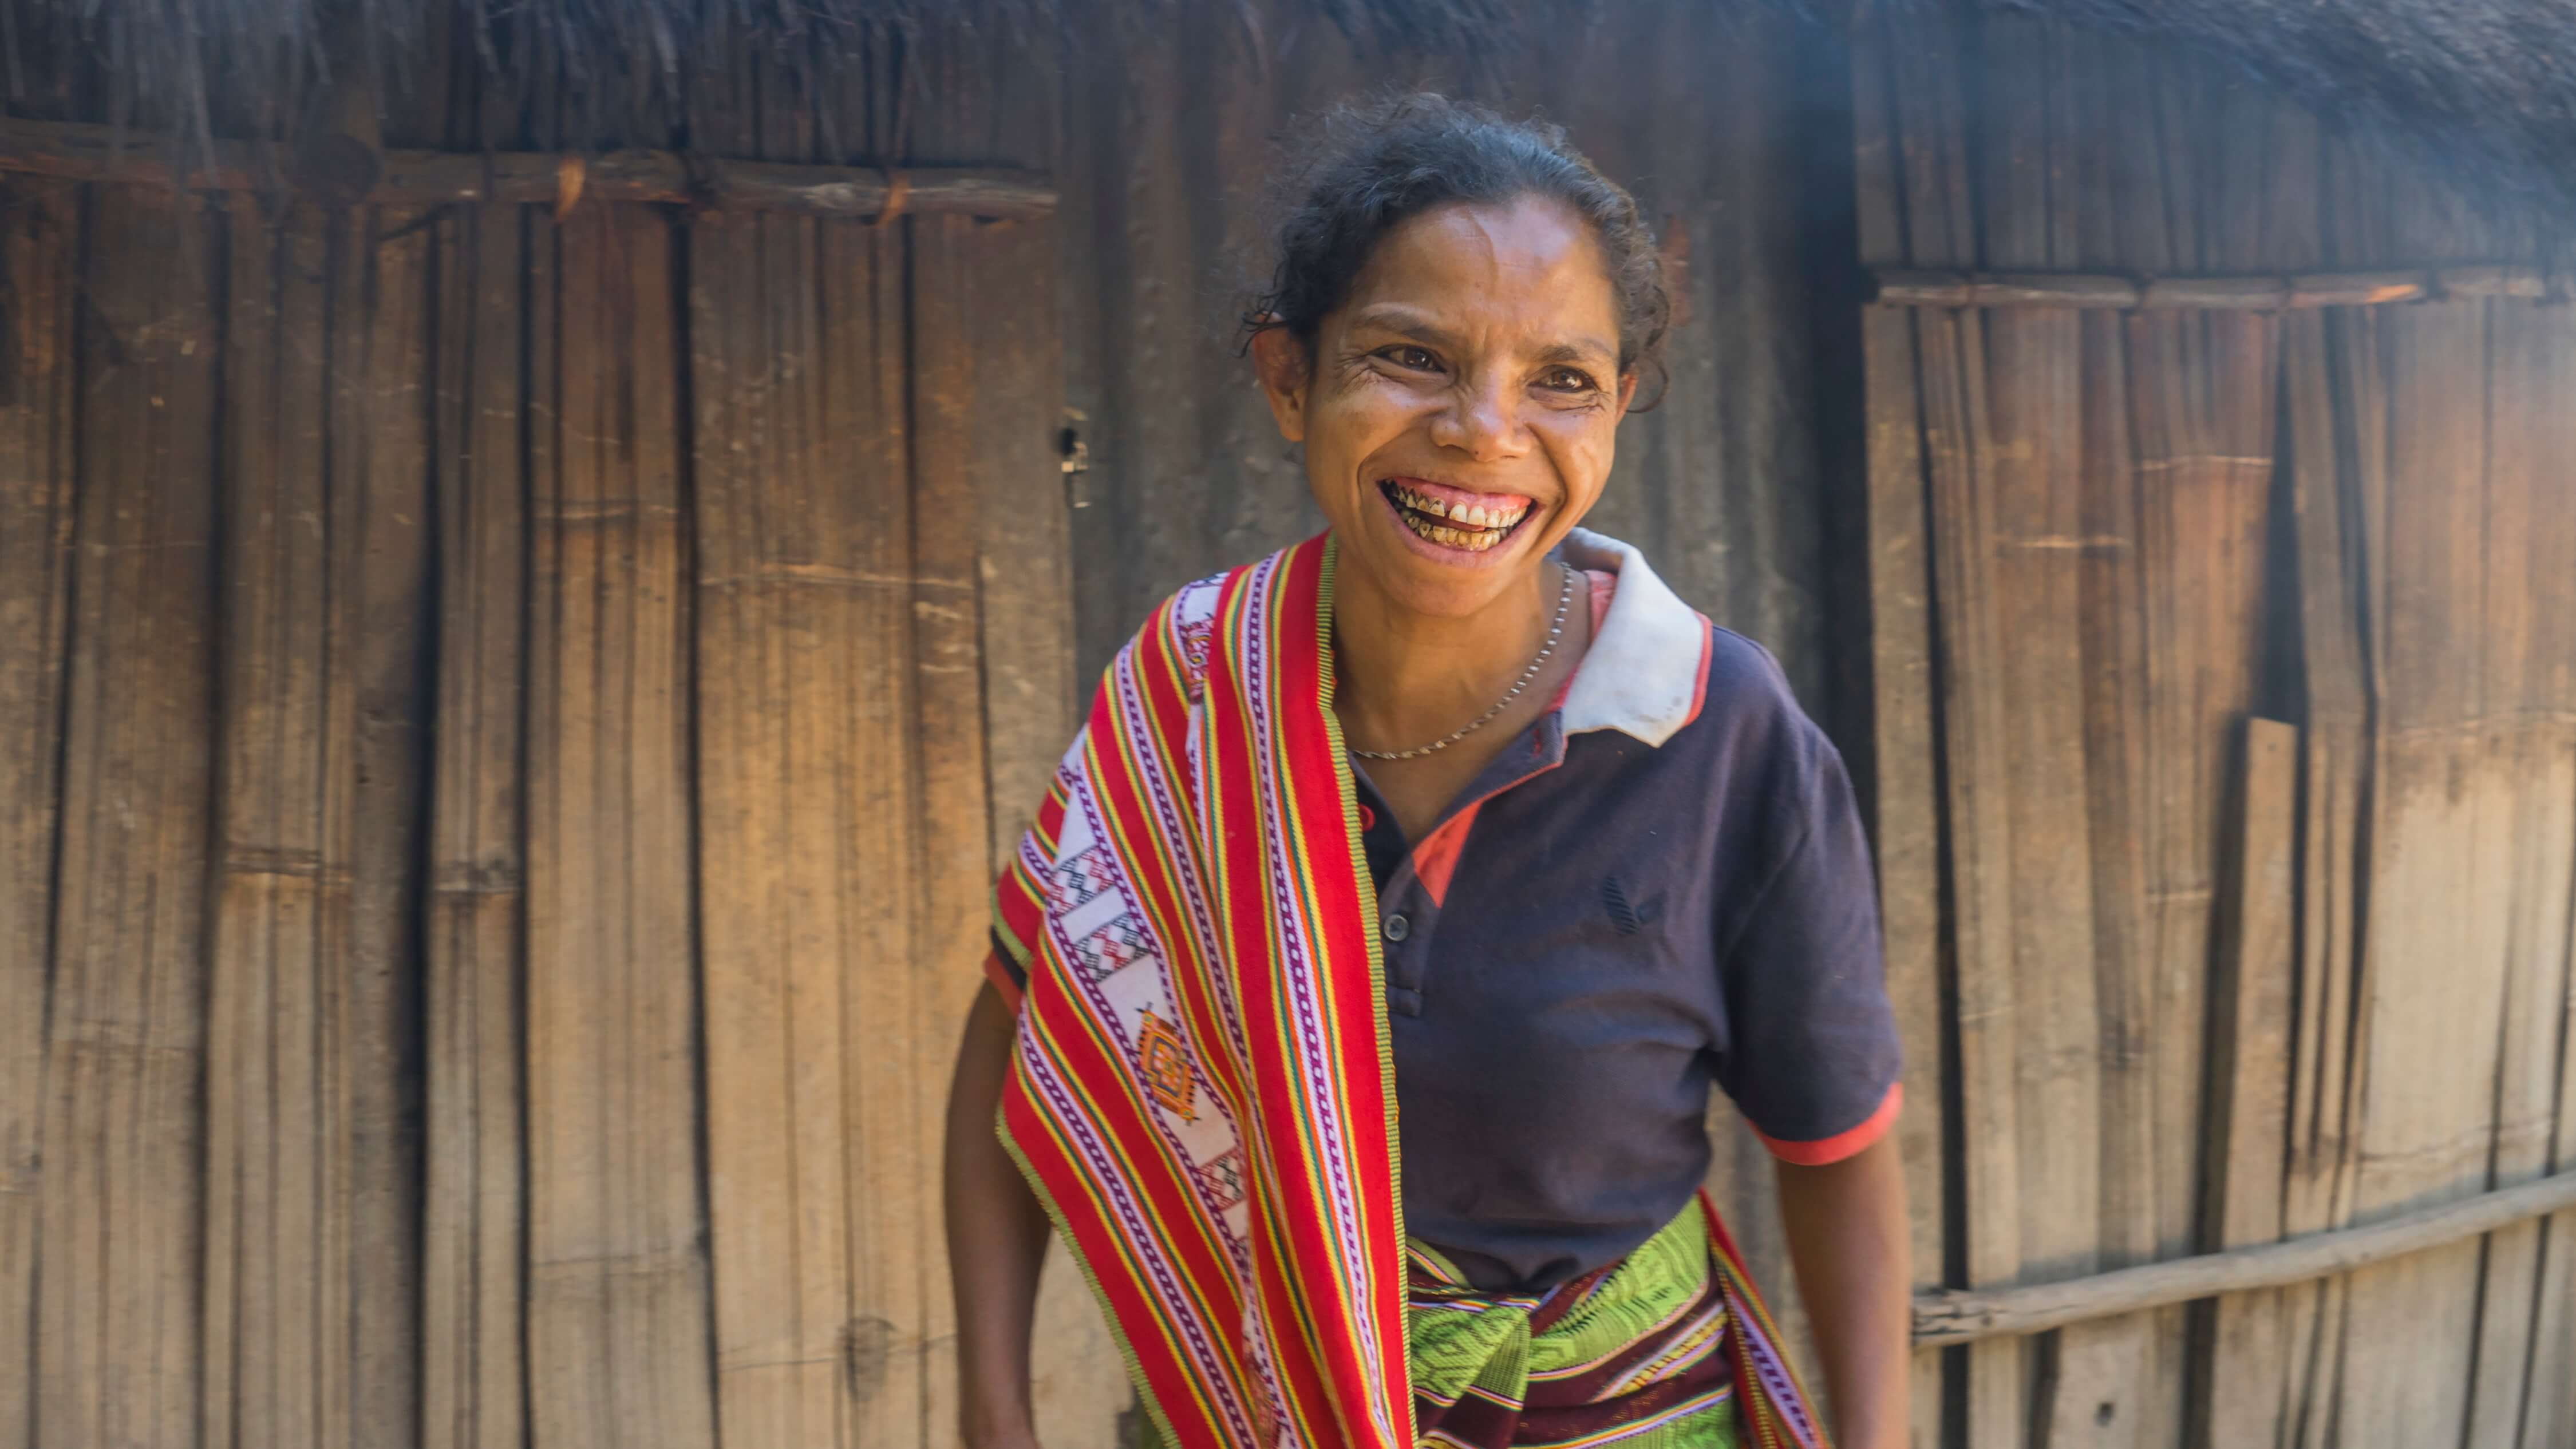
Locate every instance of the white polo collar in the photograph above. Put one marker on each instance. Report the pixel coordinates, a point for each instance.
(1647, 669)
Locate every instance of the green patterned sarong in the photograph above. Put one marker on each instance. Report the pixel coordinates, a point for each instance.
(1633, 1354)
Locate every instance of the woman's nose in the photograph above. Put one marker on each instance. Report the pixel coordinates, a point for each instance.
(1483, 421)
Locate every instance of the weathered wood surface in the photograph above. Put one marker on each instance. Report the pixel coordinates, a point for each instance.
(617, 1278)
(2323, 1085)
(278, 1293)
(812, 858)
(40, 254)
(1907, 824)
(348, 172)
(2438, 883)
(2243, 1374)
(2179, 615)
(119, 1318)
(1957, 1316)
(473, 1379)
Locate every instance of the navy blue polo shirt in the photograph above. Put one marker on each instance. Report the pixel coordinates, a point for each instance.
(1659, 885)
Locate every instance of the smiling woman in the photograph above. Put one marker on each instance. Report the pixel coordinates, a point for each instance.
(1356, 997)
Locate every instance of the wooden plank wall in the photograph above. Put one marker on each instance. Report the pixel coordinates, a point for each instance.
(2128, 560)
(500, 804)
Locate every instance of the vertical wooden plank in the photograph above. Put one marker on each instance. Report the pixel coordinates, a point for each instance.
(379, 429)
(39, 251)
(1906, 830)
(2439, 879)
(781, 609)
(118, 1319)
(2242, 1375)
(2319, 364)
(2110, 1387)
(309, 1278)
(1952, 361)
(1026, 639)
(473, 1386)
(618, 1304)
(809, 804)
(2201, 395)
(277, 1367)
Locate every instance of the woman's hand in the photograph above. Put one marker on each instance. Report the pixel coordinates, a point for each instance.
(1847, 1241)
(997, 1233)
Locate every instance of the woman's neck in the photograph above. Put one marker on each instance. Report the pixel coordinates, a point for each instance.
(1403, 679)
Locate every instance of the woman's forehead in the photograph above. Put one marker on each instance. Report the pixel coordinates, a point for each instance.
(1528, 264)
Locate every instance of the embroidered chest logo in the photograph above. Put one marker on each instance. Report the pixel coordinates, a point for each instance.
(1164, 1065)
(1628, 917)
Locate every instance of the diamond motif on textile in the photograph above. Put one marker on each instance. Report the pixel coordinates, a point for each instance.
(1117, 945)
(1222, 1178)
(1164, 1065)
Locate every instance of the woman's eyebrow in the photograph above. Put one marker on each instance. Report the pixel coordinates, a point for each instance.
(1584, 349)
(1396, 318)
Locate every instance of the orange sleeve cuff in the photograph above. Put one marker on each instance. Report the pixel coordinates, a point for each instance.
(1000, 975)
(1842, 1144)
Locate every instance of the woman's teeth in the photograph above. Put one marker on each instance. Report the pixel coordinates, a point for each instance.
(1473, 527)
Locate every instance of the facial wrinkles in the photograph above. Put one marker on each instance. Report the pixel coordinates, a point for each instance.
(1496, 297)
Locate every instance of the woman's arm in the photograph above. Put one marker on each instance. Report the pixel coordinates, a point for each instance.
(1847, 1241)
(997, 1235)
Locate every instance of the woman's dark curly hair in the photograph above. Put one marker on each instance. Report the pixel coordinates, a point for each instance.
(1377, 165)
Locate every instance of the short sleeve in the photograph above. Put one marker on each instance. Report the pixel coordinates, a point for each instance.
(1812, 1057)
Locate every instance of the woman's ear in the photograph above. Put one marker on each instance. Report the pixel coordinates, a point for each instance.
(1627, 390)
(1285, 373)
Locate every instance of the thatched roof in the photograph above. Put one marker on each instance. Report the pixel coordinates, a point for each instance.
(2487, 83)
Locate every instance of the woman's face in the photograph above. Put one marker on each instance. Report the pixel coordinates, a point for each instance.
(1459, 410)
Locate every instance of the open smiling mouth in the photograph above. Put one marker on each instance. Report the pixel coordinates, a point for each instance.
(1473, 527)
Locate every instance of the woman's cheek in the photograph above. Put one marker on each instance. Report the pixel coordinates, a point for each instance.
(1583, 455)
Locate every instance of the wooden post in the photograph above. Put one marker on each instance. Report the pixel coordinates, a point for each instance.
(40, 254)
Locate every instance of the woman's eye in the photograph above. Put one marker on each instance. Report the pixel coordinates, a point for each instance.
(1566, 379)
(1413, 358)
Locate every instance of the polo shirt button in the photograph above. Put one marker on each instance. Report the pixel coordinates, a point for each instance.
(1397, 927)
